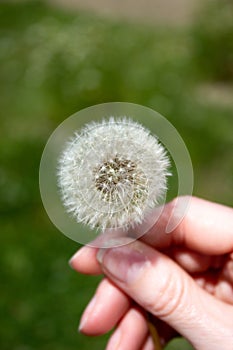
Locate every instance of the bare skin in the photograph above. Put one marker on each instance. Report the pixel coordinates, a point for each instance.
(184, 279)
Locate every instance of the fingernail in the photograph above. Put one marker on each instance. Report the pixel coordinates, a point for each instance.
(112, 243)
(123, 263)
(87, 313)
(114, 341)
(100, 255)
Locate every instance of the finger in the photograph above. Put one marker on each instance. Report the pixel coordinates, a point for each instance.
(194, 262)
(148, 344)
(84, 261)
(224, 288)
(207, 281)
(130, 333)
(104, 311)
(161, 287)
(206, 227)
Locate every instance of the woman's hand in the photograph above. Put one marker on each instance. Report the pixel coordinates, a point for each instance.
(184, 279)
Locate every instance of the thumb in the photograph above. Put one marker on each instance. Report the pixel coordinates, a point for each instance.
(161, 287)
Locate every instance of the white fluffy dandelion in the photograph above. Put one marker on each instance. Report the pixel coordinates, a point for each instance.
(112, 173)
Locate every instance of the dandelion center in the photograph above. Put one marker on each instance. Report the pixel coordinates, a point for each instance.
(119, 179)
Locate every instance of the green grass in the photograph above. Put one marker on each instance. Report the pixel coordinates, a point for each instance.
(52, 64)
(213, 44)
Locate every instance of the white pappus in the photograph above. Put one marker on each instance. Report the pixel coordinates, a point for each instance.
(112, 173)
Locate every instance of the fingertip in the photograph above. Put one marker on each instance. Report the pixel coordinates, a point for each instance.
(105, 309)
(84, 261)
(84, 325)
(72, 261)
(131, 332)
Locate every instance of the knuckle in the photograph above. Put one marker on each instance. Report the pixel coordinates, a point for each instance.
(169, 299)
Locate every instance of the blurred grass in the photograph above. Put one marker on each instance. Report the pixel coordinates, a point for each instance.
(53, 63)
(213, 40)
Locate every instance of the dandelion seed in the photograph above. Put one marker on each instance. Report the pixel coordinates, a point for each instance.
(112, 173)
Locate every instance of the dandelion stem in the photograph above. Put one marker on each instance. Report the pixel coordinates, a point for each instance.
(154, 333)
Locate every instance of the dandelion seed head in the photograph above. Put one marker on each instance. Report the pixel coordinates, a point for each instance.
(112, 173)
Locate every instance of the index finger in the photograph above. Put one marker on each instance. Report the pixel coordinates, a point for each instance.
(206, 228)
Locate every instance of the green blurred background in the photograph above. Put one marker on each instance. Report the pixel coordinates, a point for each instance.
(54, 62)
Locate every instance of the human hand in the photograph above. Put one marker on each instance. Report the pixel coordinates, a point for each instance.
(184, 279)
